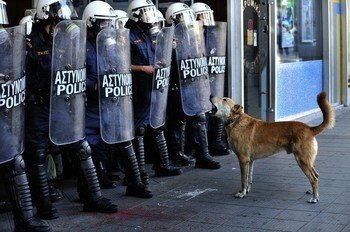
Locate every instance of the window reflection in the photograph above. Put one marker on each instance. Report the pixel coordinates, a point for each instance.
(299, 30)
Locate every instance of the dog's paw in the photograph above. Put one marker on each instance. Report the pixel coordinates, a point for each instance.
(313, 200)
(240, 195)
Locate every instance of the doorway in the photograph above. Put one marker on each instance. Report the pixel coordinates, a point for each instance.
(256, 58)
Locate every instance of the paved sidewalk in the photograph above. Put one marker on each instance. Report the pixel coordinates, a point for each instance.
(202, 200)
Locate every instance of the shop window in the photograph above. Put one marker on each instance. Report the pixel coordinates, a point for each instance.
(299, 25)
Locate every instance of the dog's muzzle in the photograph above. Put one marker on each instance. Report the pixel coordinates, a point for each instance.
(214, 109)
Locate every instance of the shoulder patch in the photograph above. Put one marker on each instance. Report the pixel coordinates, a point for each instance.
(154, 41)
(43, 53)
(137, 41)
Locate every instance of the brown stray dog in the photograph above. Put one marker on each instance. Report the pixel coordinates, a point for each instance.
(253, 139)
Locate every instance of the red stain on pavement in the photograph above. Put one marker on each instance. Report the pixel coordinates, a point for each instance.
(134, 214)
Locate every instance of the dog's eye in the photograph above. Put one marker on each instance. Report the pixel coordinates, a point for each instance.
(224, 99)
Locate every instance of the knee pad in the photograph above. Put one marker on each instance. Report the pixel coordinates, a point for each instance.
(37, 157)
(140, 131)
(19, 165)
(13, 171)
(200, 118)
(179, 123)
(158, 131)
(158, 134)
(125, 145)
(84, 151)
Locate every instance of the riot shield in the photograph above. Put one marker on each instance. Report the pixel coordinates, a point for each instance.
(68, 82)
(193, 68)
(160, 85)
(12, 91)
(215, 43)
(115, 85)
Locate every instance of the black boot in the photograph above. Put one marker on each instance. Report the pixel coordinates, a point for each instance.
(177, 154)
(105, 182)
(162, 166)
(140, 154)
(203, 158)
(18, 191)
(39, 185)
(218, 142)
(134, 185)
(89, 189)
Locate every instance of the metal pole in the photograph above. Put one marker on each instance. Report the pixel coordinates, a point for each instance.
(235, 50)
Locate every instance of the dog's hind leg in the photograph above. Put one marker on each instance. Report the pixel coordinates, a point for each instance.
(244, 166)
(307, 166)
(316, 173)
(250, 176)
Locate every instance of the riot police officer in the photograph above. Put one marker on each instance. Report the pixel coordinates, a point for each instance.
(122, 18)
(28, 21)
(12, 167)
(161, 19)
(190, 88)
(41, 114)
(99, 147)
(109, 105)
(143, 25)
(215, 37)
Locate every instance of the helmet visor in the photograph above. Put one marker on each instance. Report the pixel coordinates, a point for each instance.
(103, 23)
(55, 11)
(207, 18)
(161, 24)
(186, 17)
(3, 13)
(148, 14)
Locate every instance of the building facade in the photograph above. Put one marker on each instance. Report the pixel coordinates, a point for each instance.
(302, 48)
(280, 53)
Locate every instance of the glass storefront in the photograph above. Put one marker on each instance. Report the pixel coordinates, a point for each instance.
(299, 61)
(299, 30)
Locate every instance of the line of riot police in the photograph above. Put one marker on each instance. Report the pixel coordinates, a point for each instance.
(93, 85)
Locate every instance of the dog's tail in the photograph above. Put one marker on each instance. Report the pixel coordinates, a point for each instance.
(327, 112)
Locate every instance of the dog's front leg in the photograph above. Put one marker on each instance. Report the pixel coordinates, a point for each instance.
(244, 166)
(250, 177)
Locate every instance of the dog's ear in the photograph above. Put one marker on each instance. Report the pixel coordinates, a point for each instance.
(237, 108)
